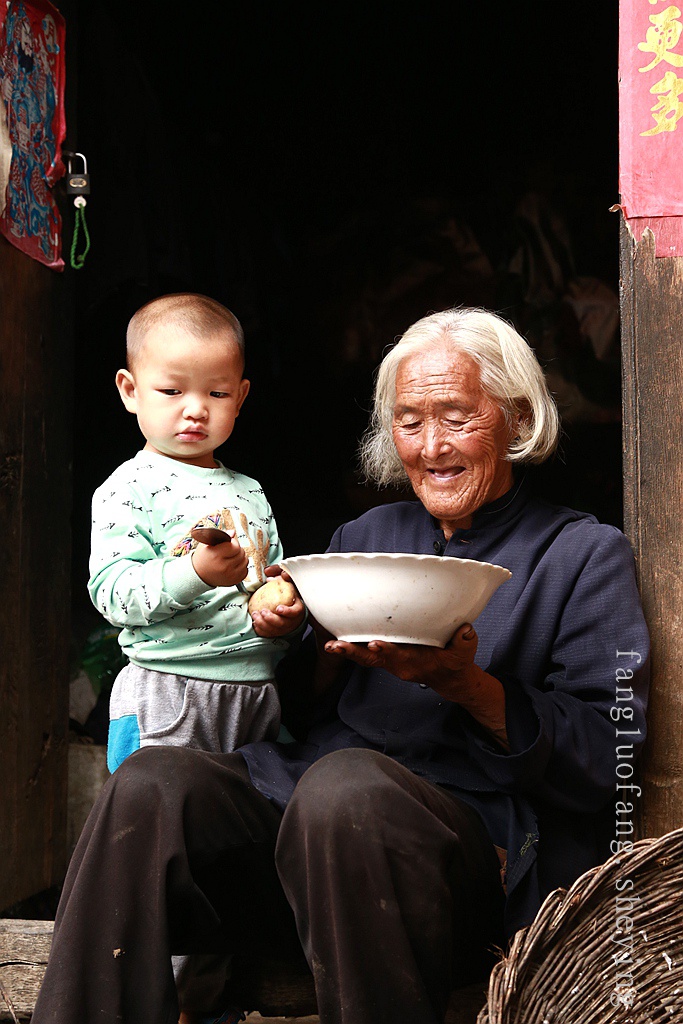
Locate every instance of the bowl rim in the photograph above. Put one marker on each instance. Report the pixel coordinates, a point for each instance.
(392, 556)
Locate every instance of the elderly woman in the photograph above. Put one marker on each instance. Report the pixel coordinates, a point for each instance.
(438, 795)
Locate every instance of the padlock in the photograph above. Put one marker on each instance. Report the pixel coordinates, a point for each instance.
(77, 182)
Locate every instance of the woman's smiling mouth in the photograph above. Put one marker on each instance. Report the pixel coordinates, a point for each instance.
(445, 474)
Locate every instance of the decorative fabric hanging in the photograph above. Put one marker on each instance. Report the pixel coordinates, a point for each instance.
(32, 127)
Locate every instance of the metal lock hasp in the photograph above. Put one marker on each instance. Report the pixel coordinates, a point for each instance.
(77, 182)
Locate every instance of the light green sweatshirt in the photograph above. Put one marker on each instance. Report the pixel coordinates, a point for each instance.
(142, 578)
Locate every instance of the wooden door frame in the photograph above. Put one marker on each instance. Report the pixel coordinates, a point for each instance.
(36, 374)
(651, 294)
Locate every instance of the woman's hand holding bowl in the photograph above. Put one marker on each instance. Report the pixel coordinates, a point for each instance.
(450, 671)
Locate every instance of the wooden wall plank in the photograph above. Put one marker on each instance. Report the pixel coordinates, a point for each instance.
(35, 502)
(652, 373)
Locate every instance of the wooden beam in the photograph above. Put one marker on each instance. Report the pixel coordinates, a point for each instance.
(24, 950)
(652, 375)
(288, 993)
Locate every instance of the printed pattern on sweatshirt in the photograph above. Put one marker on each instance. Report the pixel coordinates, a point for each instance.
(223, 520)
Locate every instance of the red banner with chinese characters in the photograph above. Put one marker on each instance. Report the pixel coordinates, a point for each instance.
(32, 126)
(651, 121)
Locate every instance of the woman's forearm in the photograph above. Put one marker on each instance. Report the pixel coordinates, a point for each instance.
(482, 695)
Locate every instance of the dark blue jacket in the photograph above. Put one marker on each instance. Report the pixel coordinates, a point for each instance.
(565, 636)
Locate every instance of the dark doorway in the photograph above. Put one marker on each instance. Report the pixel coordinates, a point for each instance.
(332, 173)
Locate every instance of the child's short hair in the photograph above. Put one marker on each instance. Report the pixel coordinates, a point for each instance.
(197, 314)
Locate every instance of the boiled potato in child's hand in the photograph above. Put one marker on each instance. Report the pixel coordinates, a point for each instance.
(276, 591)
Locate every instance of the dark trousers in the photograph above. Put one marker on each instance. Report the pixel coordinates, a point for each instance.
(389, 884)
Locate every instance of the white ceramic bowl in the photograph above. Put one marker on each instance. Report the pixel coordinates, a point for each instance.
(412, 599)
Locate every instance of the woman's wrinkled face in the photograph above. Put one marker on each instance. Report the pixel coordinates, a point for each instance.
(450, 436)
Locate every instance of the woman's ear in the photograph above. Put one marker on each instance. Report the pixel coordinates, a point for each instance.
(126, 385)
(522, 420)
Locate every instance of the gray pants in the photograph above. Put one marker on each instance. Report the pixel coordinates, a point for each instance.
(149, 708)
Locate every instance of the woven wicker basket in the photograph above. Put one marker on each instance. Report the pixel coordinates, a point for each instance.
(609, 950)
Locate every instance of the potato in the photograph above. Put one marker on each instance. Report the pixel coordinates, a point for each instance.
(274, 592)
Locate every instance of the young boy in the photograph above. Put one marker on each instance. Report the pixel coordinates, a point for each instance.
(200, 671)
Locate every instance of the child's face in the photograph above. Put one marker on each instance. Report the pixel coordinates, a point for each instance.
(185, 392)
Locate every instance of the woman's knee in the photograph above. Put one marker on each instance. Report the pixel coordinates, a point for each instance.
(150, 768)
(342, 790)
(170, 776)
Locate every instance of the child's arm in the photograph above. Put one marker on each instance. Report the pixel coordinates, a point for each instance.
(131, 582)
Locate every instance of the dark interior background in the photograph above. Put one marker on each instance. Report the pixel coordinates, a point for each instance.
(332, 173)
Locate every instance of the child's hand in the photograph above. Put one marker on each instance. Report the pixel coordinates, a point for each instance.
(276, 610)
(285, 619)
(221, 565)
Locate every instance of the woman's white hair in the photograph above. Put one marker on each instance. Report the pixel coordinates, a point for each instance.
(510, 374)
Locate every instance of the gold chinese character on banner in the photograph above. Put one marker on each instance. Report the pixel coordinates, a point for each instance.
(668, 110)
(662, 38)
